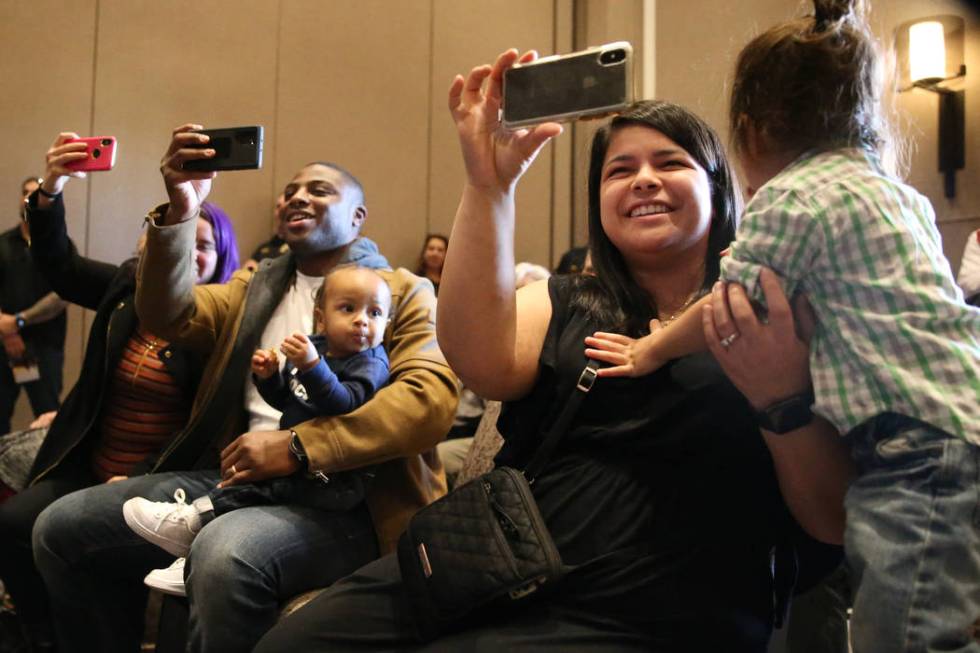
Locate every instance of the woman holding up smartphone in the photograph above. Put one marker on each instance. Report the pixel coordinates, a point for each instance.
(662, 493)
(134, 391)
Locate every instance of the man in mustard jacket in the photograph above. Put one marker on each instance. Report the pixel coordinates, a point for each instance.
(246, 563)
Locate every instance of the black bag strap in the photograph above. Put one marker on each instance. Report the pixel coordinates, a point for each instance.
(585, 382)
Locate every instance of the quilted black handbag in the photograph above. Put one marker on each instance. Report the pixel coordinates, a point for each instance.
(485, 541)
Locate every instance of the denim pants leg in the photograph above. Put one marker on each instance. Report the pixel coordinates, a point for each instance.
(245, 564)
(913, 539)
(93, 564)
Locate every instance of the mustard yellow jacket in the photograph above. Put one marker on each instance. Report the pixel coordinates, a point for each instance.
(396, 431)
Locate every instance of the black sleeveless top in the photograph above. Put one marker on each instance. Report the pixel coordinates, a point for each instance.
(662, 489)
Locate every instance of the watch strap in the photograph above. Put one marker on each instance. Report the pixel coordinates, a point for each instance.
(787, 414)
(297, 449)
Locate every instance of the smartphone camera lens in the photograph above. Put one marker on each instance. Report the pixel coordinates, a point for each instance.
(610, 57)
(96, 153)
(106, 142)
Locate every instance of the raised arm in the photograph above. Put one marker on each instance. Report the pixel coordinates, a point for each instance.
(75, 278)
(167, 301)
(491, 335)
(769, 364)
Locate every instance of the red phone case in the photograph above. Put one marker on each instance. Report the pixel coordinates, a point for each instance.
(101, 154)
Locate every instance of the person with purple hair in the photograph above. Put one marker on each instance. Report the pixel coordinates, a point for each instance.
(134, 392)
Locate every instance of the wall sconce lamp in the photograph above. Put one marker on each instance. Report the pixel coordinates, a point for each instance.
(930, 52)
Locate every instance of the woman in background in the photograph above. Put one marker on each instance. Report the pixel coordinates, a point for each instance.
(134, 391)
(431, 259)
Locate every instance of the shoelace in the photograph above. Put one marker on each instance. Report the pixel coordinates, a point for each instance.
(163, 508)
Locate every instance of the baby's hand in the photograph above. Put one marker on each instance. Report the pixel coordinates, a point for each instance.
(628, 356)
(265, 363)
(300, 351)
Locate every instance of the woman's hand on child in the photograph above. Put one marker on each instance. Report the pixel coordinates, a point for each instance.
(299, 350)
(628, 356)
(265, 363)
(494, 157)
(767, 362)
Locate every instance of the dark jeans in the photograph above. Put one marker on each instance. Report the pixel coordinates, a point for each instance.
(367, 612)
(44, 393)
(17, 517)
(242, 566)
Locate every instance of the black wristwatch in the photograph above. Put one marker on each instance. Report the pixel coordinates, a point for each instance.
(20, 321)
(296, 448)
(787, 414)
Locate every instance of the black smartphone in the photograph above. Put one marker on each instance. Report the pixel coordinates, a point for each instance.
(561, 88)
(235, 148)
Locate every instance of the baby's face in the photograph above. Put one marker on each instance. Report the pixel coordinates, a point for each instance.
(354, 311)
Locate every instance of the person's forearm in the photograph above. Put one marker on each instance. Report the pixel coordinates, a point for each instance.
(814, 469)
(684, 336)
(477, 307)
(165, 279)
(48, 307)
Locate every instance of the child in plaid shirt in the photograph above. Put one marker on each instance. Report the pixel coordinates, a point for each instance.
(895, 356)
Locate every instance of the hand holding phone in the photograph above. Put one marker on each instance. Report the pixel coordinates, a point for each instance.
(63, 160)
(235, 148)
(494, 158)
(589, 83)
(100, 154)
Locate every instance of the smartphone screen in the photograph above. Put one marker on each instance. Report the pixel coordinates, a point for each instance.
(582, 84)
(235, 148)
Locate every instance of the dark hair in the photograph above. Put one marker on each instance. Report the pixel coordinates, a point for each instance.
(225, 243)
(322, 290)
(420, 266)
(813, 82)
(346, 174)
(613, 297)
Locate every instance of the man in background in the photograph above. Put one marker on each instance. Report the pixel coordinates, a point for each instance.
(32, 325)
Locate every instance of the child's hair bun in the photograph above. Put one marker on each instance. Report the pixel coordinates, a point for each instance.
(829, 14)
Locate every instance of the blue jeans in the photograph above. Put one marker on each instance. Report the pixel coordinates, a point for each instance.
(241, 567)
(913, 538)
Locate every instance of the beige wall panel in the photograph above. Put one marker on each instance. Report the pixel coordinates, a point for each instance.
(354, 89)
(467, 34)
(598, 22)
(47, 77)
(161, 64)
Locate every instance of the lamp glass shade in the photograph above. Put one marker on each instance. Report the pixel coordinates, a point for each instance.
(927, 51)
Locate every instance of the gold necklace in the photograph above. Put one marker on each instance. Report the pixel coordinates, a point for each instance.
(686, 305)
(150, 345)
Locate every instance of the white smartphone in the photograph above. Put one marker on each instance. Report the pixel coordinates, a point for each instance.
(561, 88)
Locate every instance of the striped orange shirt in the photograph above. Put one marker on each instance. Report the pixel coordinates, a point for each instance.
(144, 408)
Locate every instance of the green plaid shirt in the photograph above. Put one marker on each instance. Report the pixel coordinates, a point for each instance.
(893, 333)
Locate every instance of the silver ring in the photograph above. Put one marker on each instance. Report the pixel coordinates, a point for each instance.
(235, 471)
(727, 341)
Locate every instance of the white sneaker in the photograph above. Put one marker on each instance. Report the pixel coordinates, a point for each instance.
(171, 526)
(169, 580)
